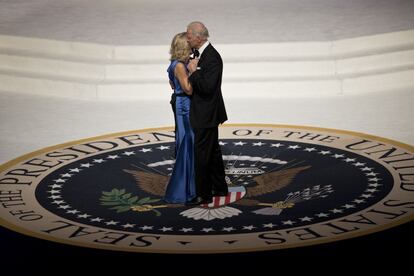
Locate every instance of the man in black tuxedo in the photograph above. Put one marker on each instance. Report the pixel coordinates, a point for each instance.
(207, 111)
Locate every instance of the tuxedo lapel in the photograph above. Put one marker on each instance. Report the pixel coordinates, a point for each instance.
(204, 54)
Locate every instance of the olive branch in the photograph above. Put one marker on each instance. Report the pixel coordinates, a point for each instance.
(122, 202)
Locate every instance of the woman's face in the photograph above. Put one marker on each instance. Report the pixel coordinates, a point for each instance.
(187, 51)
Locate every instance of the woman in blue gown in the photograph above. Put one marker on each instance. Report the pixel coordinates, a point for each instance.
(181, 186)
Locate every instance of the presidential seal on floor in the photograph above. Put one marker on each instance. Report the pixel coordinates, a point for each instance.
(289, 186)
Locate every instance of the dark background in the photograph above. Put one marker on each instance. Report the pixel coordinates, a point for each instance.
(388, 249)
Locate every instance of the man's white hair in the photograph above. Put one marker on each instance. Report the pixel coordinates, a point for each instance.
(198, 29)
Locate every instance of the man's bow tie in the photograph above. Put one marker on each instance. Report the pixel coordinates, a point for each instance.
(196, 53)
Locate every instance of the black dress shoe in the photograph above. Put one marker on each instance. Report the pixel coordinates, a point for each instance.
(214, 193)
(194, 201)
(206, 200)
(198, 200)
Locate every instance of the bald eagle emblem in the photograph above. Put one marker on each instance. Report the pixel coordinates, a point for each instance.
(155, 184)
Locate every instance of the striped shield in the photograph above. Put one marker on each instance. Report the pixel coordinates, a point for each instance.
(235, 193)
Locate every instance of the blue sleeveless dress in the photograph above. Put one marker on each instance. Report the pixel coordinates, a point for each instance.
(181, 186)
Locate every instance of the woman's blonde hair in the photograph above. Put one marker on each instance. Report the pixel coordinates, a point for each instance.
(180, 49)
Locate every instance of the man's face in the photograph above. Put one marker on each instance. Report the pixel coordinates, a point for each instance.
(192, 39)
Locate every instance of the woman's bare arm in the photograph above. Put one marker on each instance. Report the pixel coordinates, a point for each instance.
(180, 73)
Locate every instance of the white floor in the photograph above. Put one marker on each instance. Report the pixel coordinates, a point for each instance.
(30, 122)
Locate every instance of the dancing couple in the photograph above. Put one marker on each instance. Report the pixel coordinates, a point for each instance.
(195, 74)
